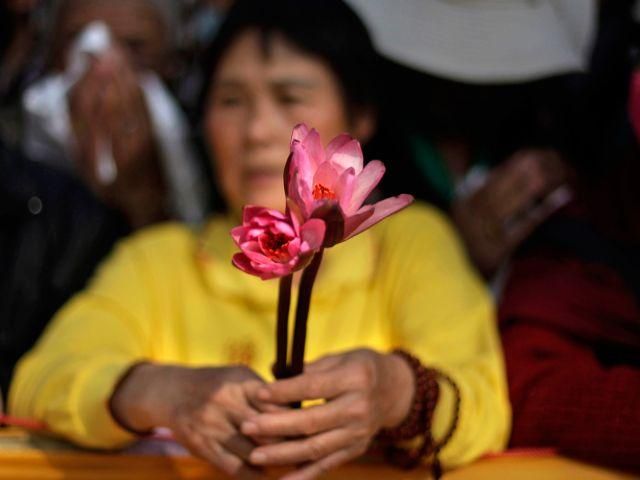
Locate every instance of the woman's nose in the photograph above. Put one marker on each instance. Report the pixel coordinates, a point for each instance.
(264, 123)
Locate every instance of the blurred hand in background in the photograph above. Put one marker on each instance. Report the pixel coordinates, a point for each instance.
(517, 196)
(109, 117)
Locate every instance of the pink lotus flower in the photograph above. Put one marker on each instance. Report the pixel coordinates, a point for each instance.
(333, 184)
(274, 245)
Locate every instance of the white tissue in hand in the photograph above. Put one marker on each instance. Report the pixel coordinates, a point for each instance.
(48, 135)
(106, 168)
(94, 39)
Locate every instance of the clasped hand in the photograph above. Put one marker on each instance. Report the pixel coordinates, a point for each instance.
(362, 391)
(232, 418)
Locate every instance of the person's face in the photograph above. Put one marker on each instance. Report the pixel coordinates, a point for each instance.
(135, 24)
(255, 102)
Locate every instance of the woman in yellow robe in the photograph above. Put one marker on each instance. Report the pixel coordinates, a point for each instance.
(170, 334)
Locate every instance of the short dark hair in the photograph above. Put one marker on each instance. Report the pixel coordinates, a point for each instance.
(327, 29)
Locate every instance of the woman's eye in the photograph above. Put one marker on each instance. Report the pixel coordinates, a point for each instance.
(289, 99)
(229, 101)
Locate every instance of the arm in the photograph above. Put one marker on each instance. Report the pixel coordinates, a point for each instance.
(443, 313)
(68, 376)
(557, 317)
(93, 378)
(564, 398)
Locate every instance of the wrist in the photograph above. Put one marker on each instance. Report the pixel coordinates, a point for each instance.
(141, 400)
(400, 390)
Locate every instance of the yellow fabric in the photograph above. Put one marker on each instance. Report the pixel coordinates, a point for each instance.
(171, 295)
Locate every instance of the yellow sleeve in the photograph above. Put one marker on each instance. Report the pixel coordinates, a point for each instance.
(444, 314)
(69, 375)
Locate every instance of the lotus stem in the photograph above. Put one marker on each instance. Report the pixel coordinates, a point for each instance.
(302, 314)
(280, 369)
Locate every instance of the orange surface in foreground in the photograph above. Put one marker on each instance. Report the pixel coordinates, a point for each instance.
(22, 459)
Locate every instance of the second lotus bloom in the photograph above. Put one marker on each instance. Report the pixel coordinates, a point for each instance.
(273, 245)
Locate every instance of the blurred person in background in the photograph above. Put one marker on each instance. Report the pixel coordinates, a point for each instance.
(570, 312)
(103, 110)
(482, 90)
(170, 334)
(53, 232)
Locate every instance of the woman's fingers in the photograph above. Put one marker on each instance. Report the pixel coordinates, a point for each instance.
(261, 399)
(258, 405)
(302, 387)
(208, 448)
(232, 464)
(315, 469)
(238, 410)
(325, 384)
(239, 445)
(207, 418)
(242, 445)
(221, 445)
(323, 364)
(310, 449)
(307, 421)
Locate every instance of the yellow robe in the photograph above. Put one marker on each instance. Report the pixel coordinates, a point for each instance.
(170, 294)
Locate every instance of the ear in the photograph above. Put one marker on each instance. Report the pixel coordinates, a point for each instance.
(364, 124)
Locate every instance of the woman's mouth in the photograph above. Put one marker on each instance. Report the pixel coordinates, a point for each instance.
(262, 176)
